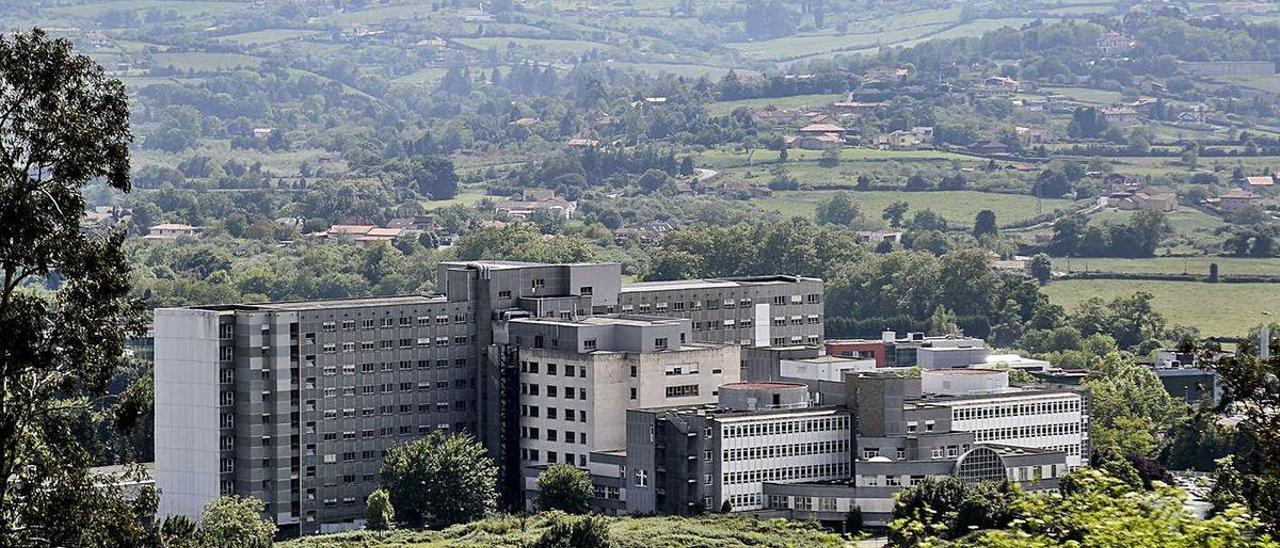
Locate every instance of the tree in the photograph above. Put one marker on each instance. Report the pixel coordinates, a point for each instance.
(895, 212)
(943, 322)
(62, 125)
(1128, 406)
(1041, 268)
(564, 487)
(840, 209)
(440, 479)
(916, 183)
(435, 178)
(984, 224)
(236, 522)
(726, 507)
(652, 179)
(379, 514)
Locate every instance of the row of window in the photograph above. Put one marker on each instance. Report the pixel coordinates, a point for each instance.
(553, 391)
(389, 387)
(811, 340)
(881, 480)
(552, 369)
(788, 473)
(682, 391)
(787, 450)
(791, 426)
(1016, 409)
(1031, 431)
(533, 433)
(440, 407)
(553, 457)
(402, 321)
(714, 304)
(390, 344)
(370, 367)
(553, 413)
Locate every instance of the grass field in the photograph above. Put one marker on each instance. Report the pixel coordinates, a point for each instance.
(957, 207)
(1214, 309)
(762, 160)
(1184, 220)
(720, 108)
(466, 197)
(266, 37)
(547, 46)
(1173, 265)
(1085, 95)
(205, 61)
(188, 9)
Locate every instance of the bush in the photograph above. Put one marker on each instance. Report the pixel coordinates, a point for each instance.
(588, 532)
(564, 487)
(379, 515)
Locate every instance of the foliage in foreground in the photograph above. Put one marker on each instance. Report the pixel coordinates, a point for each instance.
(652, 532)
(1091, 508)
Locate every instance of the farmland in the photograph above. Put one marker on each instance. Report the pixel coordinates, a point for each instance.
(1215, 309)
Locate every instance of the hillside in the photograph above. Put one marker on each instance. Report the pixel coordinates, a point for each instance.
(653, 532)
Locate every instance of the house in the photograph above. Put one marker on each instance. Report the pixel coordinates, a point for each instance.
(822, 141)
(820, 129)
(377, 234)
(1018, 263)
(779, 116)
(537, 194)
(648, 234)
(924, 134)
(1021, 167)
(1265, 181)
(433, 42)
(743, 190)
(1121, 117)
(524, 122)
(521, 210)
(997, 86)
(1237, 200)
(878, 236)
(897, 140)
(347, 232)
(1034, 135)
(989, 146)
(416, 223)
(1113, 42)
(851, 106)
(1151, 199)
(171, 231)
(582, 143)
(263, 132)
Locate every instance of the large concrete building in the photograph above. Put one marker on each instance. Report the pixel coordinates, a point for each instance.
(295, 403)
(770, 448)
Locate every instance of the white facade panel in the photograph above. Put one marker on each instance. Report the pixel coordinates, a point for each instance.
(186, 410)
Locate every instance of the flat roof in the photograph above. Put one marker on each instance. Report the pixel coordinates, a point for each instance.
(715, 283)
(763, 385)
(391, 300)
(512, 265)
(605, 320)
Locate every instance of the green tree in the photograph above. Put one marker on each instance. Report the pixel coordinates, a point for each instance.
(379, 514)
(564, 487)
(440, 479)
(1129, 405)
(840, 209)
(984, 224)
(1041, 268)
(895, 212)
(62, 125)
(236, 522)
(435, 178)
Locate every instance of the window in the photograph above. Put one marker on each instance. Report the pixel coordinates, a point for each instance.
(538, 283)
(642, 478)
(585, 290)
(682, 391)
(588, 344)
(779, 300)
(504, 294)
(660, 343)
